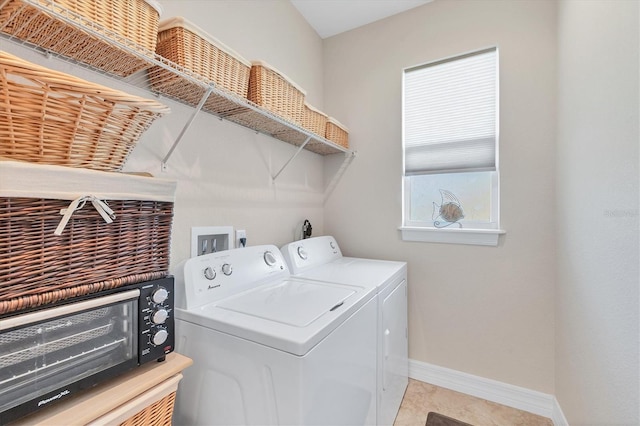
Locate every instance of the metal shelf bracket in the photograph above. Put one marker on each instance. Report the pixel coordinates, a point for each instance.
(274, 177)
(186, 127)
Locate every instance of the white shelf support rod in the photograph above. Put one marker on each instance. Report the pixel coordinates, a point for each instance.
(348, 158)
(274, 177)
(187, 125)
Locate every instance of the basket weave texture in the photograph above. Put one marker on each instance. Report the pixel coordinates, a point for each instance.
(314, 121)
(207, 60)
(157, 414)
(134, 20)
(37, 267)
(337, 134)
(270, 90)
(49, 117)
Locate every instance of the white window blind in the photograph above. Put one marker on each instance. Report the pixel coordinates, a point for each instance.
(450, 115)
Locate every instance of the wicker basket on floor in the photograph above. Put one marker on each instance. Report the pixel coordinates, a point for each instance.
(272, 90)
(337, 132)
(134, 23)
(315, 121)
(190, 47)
(50, 117)
(44, 259)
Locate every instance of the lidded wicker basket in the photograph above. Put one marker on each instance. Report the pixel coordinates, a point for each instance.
(271, 89)
(337, 132)
(314, 120)
(67, 232)
(187, 45)
(133, 22)
(50, 117)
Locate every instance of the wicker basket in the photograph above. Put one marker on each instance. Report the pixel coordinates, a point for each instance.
(53, 118)
(315, 121)
(151, 407)
(157, 414)
(131, 22)
(337, 132)
(89, 255)
(185, 44)
(272, 90)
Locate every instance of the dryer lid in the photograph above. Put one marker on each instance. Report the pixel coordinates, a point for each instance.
(291, 302)
(356, 271)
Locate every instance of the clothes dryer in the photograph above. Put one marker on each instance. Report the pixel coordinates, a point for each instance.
(269, 348)
(320, 258)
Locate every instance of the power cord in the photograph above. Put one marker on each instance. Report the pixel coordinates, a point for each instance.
(306, 229)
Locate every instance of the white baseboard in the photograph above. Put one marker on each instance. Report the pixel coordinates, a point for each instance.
(524, 399)
(557, 416)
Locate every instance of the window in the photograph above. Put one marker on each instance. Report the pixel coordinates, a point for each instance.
(450, 143)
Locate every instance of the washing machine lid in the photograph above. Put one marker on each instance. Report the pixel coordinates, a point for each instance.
(291, 314)
(291, 302)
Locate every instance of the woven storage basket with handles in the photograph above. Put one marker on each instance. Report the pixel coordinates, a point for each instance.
(190, 47)
(337, 132)
(89, 254)
(53, 118)
(132, 22)
(274, 91)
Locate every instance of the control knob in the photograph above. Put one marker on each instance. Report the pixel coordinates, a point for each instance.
(227, 269)
(269, 258)
(159, 295)
(159, 337)
(209, 273)
(302, 253)
(159, 316)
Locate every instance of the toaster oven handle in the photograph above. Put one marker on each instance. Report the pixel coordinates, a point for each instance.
(39, 316)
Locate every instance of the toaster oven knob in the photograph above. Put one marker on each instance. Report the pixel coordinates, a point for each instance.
(159, 295)
(159, 316)
(159, 337)
(209, 273)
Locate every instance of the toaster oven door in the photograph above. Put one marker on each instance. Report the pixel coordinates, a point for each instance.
(48, 355)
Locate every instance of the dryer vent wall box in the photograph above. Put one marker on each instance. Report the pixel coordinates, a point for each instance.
(211, 239)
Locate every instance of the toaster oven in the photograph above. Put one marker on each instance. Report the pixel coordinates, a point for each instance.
(50, 354)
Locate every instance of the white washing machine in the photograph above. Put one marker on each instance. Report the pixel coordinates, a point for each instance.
(320, 259)
(269, 348)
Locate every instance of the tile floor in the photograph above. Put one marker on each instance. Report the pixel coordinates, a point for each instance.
(420, 398)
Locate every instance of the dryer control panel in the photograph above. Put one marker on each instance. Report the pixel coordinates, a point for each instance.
(306, 254)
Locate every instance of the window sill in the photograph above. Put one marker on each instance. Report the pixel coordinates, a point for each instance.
(478, 237)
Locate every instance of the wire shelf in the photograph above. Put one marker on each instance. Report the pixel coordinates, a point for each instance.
(153, 72)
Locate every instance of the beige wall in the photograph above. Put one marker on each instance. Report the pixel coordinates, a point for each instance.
(597, 321)
(481, 310)
(223, 171)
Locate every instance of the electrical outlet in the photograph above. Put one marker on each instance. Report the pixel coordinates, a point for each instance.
(241, 233)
